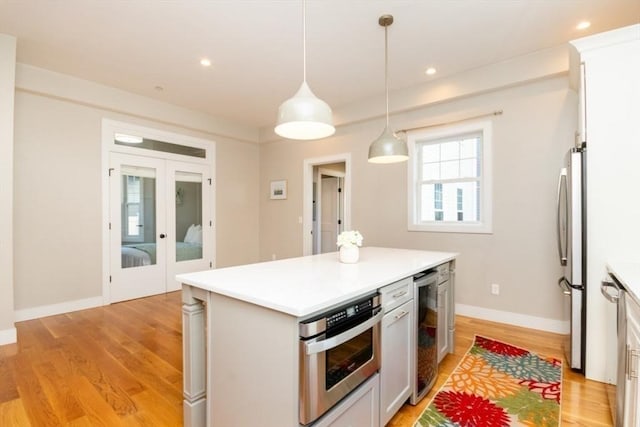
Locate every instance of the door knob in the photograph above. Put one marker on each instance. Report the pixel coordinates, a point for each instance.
(162, 236)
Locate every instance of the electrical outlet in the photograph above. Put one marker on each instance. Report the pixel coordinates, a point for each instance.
(495, 289)
(273, 257)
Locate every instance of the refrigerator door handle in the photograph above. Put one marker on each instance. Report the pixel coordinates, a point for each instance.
(562, 184)
(563, 284)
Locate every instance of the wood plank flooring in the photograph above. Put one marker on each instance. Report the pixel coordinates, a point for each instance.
(121, 365)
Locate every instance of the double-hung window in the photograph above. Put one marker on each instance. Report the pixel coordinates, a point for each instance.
(133, 189)
(450, 179)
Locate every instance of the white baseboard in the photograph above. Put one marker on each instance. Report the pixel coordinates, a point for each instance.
(517, 319)
(53, 309)
(8, 336)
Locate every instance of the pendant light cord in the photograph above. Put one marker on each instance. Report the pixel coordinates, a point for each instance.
(304, 41)
(386, 71)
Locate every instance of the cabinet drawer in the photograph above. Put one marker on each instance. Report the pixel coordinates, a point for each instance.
(396, 294)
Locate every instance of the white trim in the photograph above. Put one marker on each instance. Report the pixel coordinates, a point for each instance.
(61, 308)
(608, 38)
(517, 319)
(8, 336)
(307, 195)
(486, 184)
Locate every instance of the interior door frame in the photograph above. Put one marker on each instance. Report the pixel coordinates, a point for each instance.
(307, 195)
(109, 129)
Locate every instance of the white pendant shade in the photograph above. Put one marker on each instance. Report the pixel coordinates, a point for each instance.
(304, 116)
(387, 148)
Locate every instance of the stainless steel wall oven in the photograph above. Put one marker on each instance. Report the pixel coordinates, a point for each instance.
(339, 350)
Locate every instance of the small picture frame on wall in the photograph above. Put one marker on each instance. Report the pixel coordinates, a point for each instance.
(279, 189)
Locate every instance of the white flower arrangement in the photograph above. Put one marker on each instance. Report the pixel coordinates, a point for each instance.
(350, 238)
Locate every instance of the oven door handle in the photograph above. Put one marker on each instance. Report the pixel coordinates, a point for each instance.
(329, 343)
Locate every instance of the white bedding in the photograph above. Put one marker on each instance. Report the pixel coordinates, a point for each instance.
(132, 257)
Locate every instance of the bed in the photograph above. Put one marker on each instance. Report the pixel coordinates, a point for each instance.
(141, 254)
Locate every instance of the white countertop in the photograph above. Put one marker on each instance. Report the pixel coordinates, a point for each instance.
(628, 274)
(306, 285)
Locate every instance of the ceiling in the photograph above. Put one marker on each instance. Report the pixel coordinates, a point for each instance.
(153, 48)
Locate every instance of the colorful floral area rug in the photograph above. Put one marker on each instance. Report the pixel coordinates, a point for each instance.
(497, 384)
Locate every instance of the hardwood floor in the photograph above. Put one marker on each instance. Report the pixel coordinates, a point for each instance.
(121, 365)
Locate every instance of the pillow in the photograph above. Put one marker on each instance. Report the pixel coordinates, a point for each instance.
(197, 235)
(194, 234)
(188, 237)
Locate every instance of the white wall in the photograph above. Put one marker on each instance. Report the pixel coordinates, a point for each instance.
(530, 139)
(58, 182)
(7, 81)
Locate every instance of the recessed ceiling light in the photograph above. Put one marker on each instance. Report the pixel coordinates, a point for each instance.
(430, 71)
(128, 139)
(583, 25)
(205, 62)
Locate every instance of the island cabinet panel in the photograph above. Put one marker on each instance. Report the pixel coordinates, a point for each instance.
(446, 310)
(253, 365)
(396, 365)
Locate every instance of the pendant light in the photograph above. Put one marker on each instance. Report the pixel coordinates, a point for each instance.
(304, 116)
(387, 148)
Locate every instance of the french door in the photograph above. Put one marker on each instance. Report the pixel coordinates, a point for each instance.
(159, 222)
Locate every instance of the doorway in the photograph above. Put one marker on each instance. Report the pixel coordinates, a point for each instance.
(159, 210)
(328, 206)
(326, 202)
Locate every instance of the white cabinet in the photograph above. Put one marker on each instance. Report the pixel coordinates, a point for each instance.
(396, 360)
(444, 298)
(632, 356)
(446, 310)
(395, 294)
(359, 409)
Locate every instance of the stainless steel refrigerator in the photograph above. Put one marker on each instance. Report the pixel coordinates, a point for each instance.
(573, 253)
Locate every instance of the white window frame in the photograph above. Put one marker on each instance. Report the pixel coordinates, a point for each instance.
(486, 184)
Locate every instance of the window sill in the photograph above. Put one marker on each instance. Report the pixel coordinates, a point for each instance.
(452, 228)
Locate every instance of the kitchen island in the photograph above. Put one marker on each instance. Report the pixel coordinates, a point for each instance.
(241, 334)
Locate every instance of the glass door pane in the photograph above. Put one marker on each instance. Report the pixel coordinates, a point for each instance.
(188, 195)
(138, 216)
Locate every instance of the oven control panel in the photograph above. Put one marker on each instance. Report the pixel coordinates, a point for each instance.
(339, 317)
(348, 312)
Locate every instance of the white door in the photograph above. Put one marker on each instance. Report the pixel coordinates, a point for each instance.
(160, 224)
(137, 226)
(329, 214)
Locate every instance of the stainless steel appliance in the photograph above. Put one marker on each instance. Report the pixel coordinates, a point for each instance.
(425, 298)
(572, 251)
(339, 350)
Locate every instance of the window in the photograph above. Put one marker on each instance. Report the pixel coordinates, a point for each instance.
(133, 208)
(450, 179)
